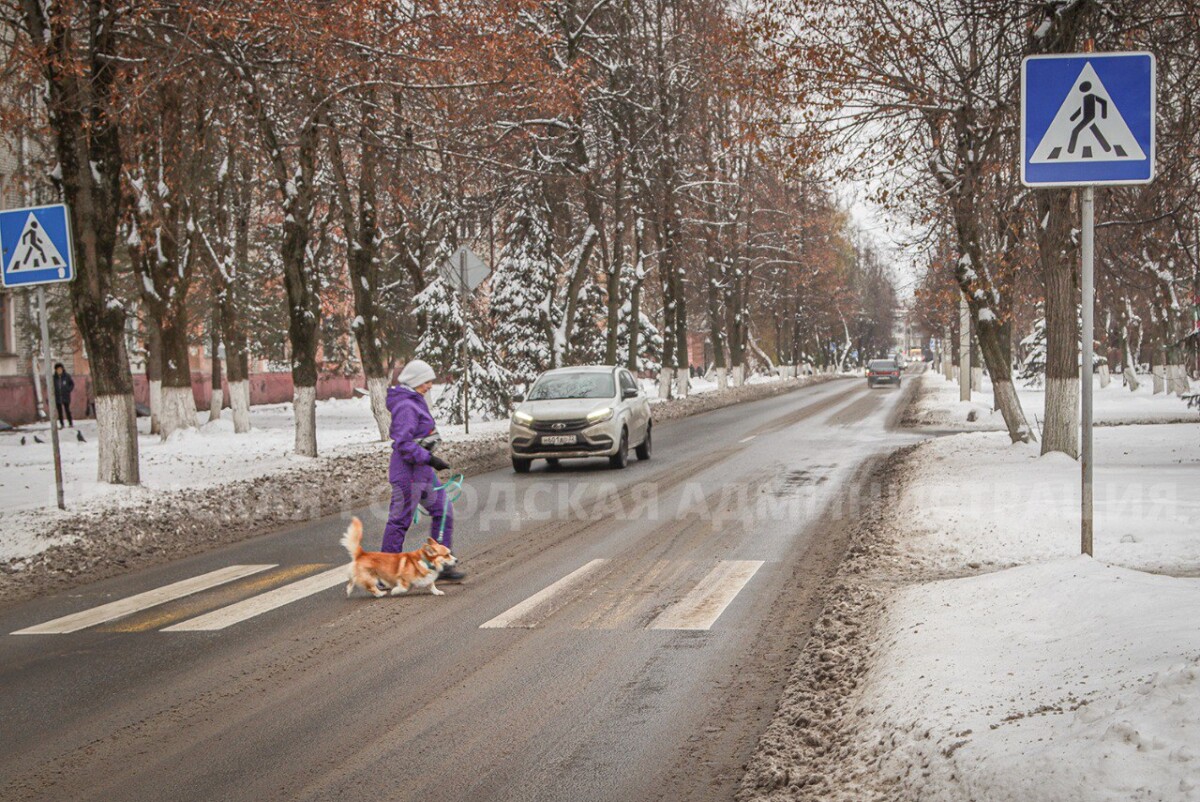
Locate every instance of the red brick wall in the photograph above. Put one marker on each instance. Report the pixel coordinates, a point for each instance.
(18, 404)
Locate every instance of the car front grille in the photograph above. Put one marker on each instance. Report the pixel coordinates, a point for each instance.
(560, 426)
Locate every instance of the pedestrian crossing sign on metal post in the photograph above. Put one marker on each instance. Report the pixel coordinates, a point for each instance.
(36, 245)
(1087, 119)
(35, 250)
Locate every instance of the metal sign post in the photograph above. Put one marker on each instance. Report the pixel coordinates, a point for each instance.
(465, 271)
(466, 372)
(44, 315)
(964, 349)
(1087, 205)
(36, 246)
(1087, 120)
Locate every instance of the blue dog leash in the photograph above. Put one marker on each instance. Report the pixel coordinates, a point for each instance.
(453, 488)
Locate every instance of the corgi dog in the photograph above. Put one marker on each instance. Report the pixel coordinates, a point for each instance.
(399, 572)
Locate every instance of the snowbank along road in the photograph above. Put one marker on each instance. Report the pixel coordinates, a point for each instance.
(621, 635)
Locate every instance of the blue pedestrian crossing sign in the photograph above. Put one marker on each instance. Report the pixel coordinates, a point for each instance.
(36, 246)
(1087, 119)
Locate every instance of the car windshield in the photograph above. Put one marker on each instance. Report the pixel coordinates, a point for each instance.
(882, 364)
(572, 385)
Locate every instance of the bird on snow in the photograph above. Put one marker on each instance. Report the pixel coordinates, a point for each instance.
(22, 439)
(79, 436)
(37, 439)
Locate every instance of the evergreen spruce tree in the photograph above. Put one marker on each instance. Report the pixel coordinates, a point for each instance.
(438, 305)
(1033, 366)
(650, 342)
(522, 303)
(587, 340)
(441, 346)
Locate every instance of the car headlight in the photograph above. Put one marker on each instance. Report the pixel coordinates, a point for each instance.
(523, 417)
(600, 415)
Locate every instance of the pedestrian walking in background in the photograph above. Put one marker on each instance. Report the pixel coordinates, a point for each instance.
(413, 465)
(64, 385)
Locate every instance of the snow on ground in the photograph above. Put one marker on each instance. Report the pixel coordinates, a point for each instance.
(974, 498)
(1058, 677)
(938, 405)
(208, 456)
(1068, 680)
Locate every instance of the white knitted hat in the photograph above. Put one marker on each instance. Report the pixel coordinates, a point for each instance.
(416, 373)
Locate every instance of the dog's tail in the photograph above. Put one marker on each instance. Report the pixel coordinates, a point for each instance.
(352, 540)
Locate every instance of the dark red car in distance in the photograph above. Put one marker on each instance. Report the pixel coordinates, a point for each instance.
(883, 371)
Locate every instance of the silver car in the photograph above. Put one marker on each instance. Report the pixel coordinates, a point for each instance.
(581, 412)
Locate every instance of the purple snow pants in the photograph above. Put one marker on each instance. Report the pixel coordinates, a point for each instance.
(410, 488)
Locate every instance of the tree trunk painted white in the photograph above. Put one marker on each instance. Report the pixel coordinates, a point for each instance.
(1006, 395)
(215, 403)
(304, 406)
(664, 382)
(683, 380)
(1062, 397)
(1159, 373)
(977, 378)
(116, 423)
(239, 399)
(1177, 376)
(377, 389)
(1131, 379)
(739, 375)
(1105, 376)
(156, 406)
(178, 410)
(722, 379)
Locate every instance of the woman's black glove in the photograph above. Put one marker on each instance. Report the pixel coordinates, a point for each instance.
(437, 463)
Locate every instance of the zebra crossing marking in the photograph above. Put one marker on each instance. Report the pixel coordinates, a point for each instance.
(518, 616)
(262, 603)
(703, 605)
(142, 601)
(158, 618)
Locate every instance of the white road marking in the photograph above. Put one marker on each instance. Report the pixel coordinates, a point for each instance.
(701, 608)
(257, 605)
(142, 601)
(513, 615)
(747, 439)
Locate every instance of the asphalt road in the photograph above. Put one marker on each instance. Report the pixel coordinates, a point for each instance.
(622, 635)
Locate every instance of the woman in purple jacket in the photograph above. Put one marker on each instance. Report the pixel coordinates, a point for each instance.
(414, 435)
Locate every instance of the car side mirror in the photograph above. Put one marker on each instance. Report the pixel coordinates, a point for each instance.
(518, 398)
(629, 392)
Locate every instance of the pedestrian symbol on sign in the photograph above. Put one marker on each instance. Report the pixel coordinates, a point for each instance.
(1088, 127)
(35, 250)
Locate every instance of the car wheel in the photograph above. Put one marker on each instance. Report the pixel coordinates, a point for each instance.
(553, 463)
(521, 465)
(621, 458)
(643, 451)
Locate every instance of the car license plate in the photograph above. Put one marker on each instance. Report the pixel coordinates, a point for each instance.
(558, 439)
